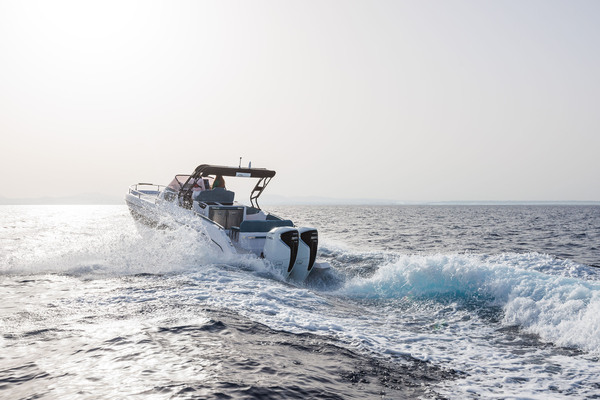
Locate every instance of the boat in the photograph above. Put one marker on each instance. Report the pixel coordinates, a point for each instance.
(198, 200)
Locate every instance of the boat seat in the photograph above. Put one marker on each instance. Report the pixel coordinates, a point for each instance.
(263, 226)
(252, 210)
(254, 214)
(216, 195)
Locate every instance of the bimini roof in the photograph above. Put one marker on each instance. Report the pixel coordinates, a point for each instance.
(206, 169)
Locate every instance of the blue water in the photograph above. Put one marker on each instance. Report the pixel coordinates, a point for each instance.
(422, 302)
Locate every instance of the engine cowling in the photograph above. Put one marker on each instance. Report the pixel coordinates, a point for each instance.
(307, 253)
(281, 247)
(292, 249)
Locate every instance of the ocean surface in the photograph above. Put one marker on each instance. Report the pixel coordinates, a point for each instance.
(421, 302)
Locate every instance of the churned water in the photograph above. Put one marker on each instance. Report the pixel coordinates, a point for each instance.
(422, 302)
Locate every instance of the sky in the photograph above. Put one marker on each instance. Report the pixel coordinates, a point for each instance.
(399, 100)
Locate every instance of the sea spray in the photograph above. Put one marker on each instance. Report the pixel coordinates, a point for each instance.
(561, 309)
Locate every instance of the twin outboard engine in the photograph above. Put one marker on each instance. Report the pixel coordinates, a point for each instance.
(309, 243)
(294, 249)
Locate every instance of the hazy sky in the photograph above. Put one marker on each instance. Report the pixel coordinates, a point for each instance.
(405, 100)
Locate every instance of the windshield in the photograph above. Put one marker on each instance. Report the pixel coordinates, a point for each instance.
(177, 182)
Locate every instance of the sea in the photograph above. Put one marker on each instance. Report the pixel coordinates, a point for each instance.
(421, 302)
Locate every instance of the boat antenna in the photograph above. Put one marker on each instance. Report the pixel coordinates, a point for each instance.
(240, 166)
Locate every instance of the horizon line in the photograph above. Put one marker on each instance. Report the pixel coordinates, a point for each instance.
(98, 199)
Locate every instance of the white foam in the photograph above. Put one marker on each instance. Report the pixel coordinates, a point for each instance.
(560, 309)
(84, 240)
(556, 305)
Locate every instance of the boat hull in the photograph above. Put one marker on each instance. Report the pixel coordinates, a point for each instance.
(291, 249)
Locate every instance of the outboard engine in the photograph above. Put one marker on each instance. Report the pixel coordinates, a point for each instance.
(281, 247)
(307, 252)
(309, 237)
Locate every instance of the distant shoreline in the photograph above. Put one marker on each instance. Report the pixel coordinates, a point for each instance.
(283, 201)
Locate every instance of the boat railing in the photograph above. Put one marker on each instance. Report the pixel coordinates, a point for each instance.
(148, 191)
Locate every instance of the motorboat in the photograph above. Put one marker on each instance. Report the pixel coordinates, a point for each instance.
(201, 201)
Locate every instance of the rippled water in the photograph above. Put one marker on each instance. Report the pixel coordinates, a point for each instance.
(423, 301)
(564, 231)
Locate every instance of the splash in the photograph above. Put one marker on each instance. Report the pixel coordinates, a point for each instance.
(111, 246)
(534, 294)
